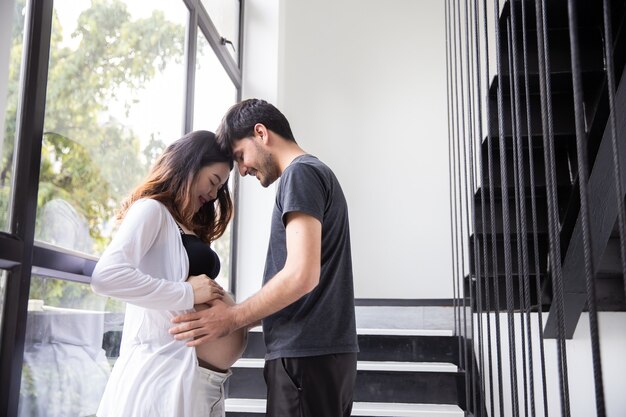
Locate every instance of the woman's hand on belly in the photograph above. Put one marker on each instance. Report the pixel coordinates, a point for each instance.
(205, 289)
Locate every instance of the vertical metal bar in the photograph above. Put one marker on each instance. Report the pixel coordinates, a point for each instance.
(451, 141)
(463, 207)
(242, 8)
(510, 297)
(533, 201)
(610, 75)
(553, 218)
(191, 49)
(456, 227)
(494, 245)
(451, 158)
(458, 216)
(483, 199)
(38, 24)
(522, 269)
(516, 181)
(505, 212)
(468, 171)
(583, 178)
(480, 244)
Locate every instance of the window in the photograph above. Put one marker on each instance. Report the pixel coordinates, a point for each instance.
(11, 40)
(225, 16)
(116, 88)
(64, 347)
(114, 101)
(214, 94)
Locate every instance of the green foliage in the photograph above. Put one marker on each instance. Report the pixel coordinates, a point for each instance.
(90, 159)
(153, 149)
(65, 294)
(68, 172)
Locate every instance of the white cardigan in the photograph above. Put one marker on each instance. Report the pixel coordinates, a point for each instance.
(146, 265)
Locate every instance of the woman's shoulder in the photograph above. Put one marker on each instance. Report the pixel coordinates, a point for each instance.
(148, 208)
(149, 204)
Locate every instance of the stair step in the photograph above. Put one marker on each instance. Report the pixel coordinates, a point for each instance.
(488, 266)
(257, 406)
(556, 10)
(399, 345)
(541, 214)
(545, 297)
(404, 332)
(560, 142)
(408, 386)
(561, 167)
(388, 331)
(371, 366)
(562, 112)
(590, 49)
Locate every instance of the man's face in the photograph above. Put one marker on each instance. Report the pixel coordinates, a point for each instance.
(254, 158)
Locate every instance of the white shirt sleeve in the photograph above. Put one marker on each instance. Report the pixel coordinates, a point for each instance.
(117, 275)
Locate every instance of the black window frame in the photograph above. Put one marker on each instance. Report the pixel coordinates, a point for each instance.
(20, 254)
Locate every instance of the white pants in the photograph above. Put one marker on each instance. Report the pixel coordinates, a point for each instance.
(210, 399)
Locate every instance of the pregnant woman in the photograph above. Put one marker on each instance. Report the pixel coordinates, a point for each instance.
(161, 264)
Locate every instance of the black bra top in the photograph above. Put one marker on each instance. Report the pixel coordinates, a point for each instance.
(202, 259)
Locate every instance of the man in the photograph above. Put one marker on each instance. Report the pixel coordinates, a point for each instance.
(307, 300)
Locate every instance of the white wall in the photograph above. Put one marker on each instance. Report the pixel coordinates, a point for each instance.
(254, 204)
(580, 370)
(363, 84)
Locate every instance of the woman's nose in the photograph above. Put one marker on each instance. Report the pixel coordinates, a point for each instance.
(213, 193)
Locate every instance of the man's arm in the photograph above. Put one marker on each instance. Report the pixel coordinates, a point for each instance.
(299, 276)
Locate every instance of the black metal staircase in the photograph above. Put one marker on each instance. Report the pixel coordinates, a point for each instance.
(608, 278)
(537, 133)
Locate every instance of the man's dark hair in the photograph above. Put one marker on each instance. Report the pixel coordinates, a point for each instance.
(239, 121)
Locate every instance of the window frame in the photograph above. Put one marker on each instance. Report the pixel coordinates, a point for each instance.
(20, 255)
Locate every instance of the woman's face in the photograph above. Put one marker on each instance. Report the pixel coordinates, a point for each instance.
(207, 183)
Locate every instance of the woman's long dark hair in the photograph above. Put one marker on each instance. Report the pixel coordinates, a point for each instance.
(171, 179)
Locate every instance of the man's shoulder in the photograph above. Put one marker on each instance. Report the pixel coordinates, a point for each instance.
(309, 164)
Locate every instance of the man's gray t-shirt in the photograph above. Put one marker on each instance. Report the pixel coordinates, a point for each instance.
(321, 322)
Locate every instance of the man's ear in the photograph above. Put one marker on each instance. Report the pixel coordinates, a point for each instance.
(261, 132)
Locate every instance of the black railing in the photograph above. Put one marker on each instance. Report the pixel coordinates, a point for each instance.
(529, 232)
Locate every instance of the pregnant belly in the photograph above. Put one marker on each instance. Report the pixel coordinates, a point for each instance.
(221, 354)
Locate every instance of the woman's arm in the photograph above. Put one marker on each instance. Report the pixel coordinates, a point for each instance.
(117, 275)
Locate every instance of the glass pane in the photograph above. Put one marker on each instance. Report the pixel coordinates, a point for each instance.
(214, 91)
(3, 285)
(11, 39)
(225, 16)
(72, 338)
(214, 94)
(114, 101)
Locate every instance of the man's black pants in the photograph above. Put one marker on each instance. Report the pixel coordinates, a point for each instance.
(315, 386)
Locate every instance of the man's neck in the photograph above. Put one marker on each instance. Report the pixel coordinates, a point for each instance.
(287, 154)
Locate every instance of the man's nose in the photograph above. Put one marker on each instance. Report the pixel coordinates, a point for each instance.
(242, 170)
